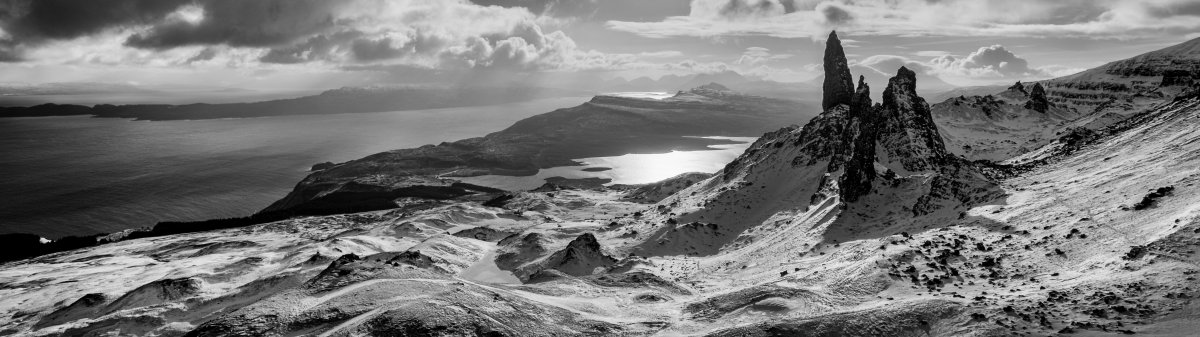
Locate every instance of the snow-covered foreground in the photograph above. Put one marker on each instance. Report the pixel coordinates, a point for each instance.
(1054, 254)
(860, 223)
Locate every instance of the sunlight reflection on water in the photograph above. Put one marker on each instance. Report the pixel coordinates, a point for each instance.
(630, 168)
(642, 94)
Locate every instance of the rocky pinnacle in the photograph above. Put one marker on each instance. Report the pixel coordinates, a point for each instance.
(1037, 99)
(860, 169)
(907, 131)
(839, 84)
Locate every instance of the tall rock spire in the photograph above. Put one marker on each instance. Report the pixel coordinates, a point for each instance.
(862, 129)
(907, 132)
(839, 85)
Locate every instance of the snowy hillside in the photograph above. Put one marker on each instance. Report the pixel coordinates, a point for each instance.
(865, 221)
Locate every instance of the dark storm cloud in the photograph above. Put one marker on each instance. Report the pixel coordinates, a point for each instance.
(242, 23)
(742, 8)
(1173, 9)
(258, 23)
(28, 20)
(834, 15)
(358, 46)
(8, 54)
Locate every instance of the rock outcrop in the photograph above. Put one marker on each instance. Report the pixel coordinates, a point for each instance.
(581, 257)
(862, 156)
(853, 136)
(1037, 99)
(1172, 78)
(839, 84)
(860, 166)
(90, 305)
(1018, 87)
(907, 135)
(157, 292)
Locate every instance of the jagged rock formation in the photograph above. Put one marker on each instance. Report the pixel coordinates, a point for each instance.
(863, 128)
(1018, 87)
(839, 85)
(863, 157)
(907, 134)
(1037, 99)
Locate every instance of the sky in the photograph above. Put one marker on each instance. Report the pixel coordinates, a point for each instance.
(318, 44)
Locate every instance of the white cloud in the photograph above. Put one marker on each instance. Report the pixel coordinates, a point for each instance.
(443, 34)
(990, 64)
(991, 61)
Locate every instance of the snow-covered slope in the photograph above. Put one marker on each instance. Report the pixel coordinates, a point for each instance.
(1001, 125)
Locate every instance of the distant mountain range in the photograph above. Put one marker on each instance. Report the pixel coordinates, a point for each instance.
(344, 100)
(383, 98)
(471, 92)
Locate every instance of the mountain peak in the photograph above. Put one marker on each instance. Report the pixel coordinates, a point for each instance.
(839, 84)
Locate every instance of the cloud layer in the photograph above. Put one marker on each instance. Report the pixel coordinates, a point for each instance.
(1024, 18)
(420, 33)
(989, 63)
